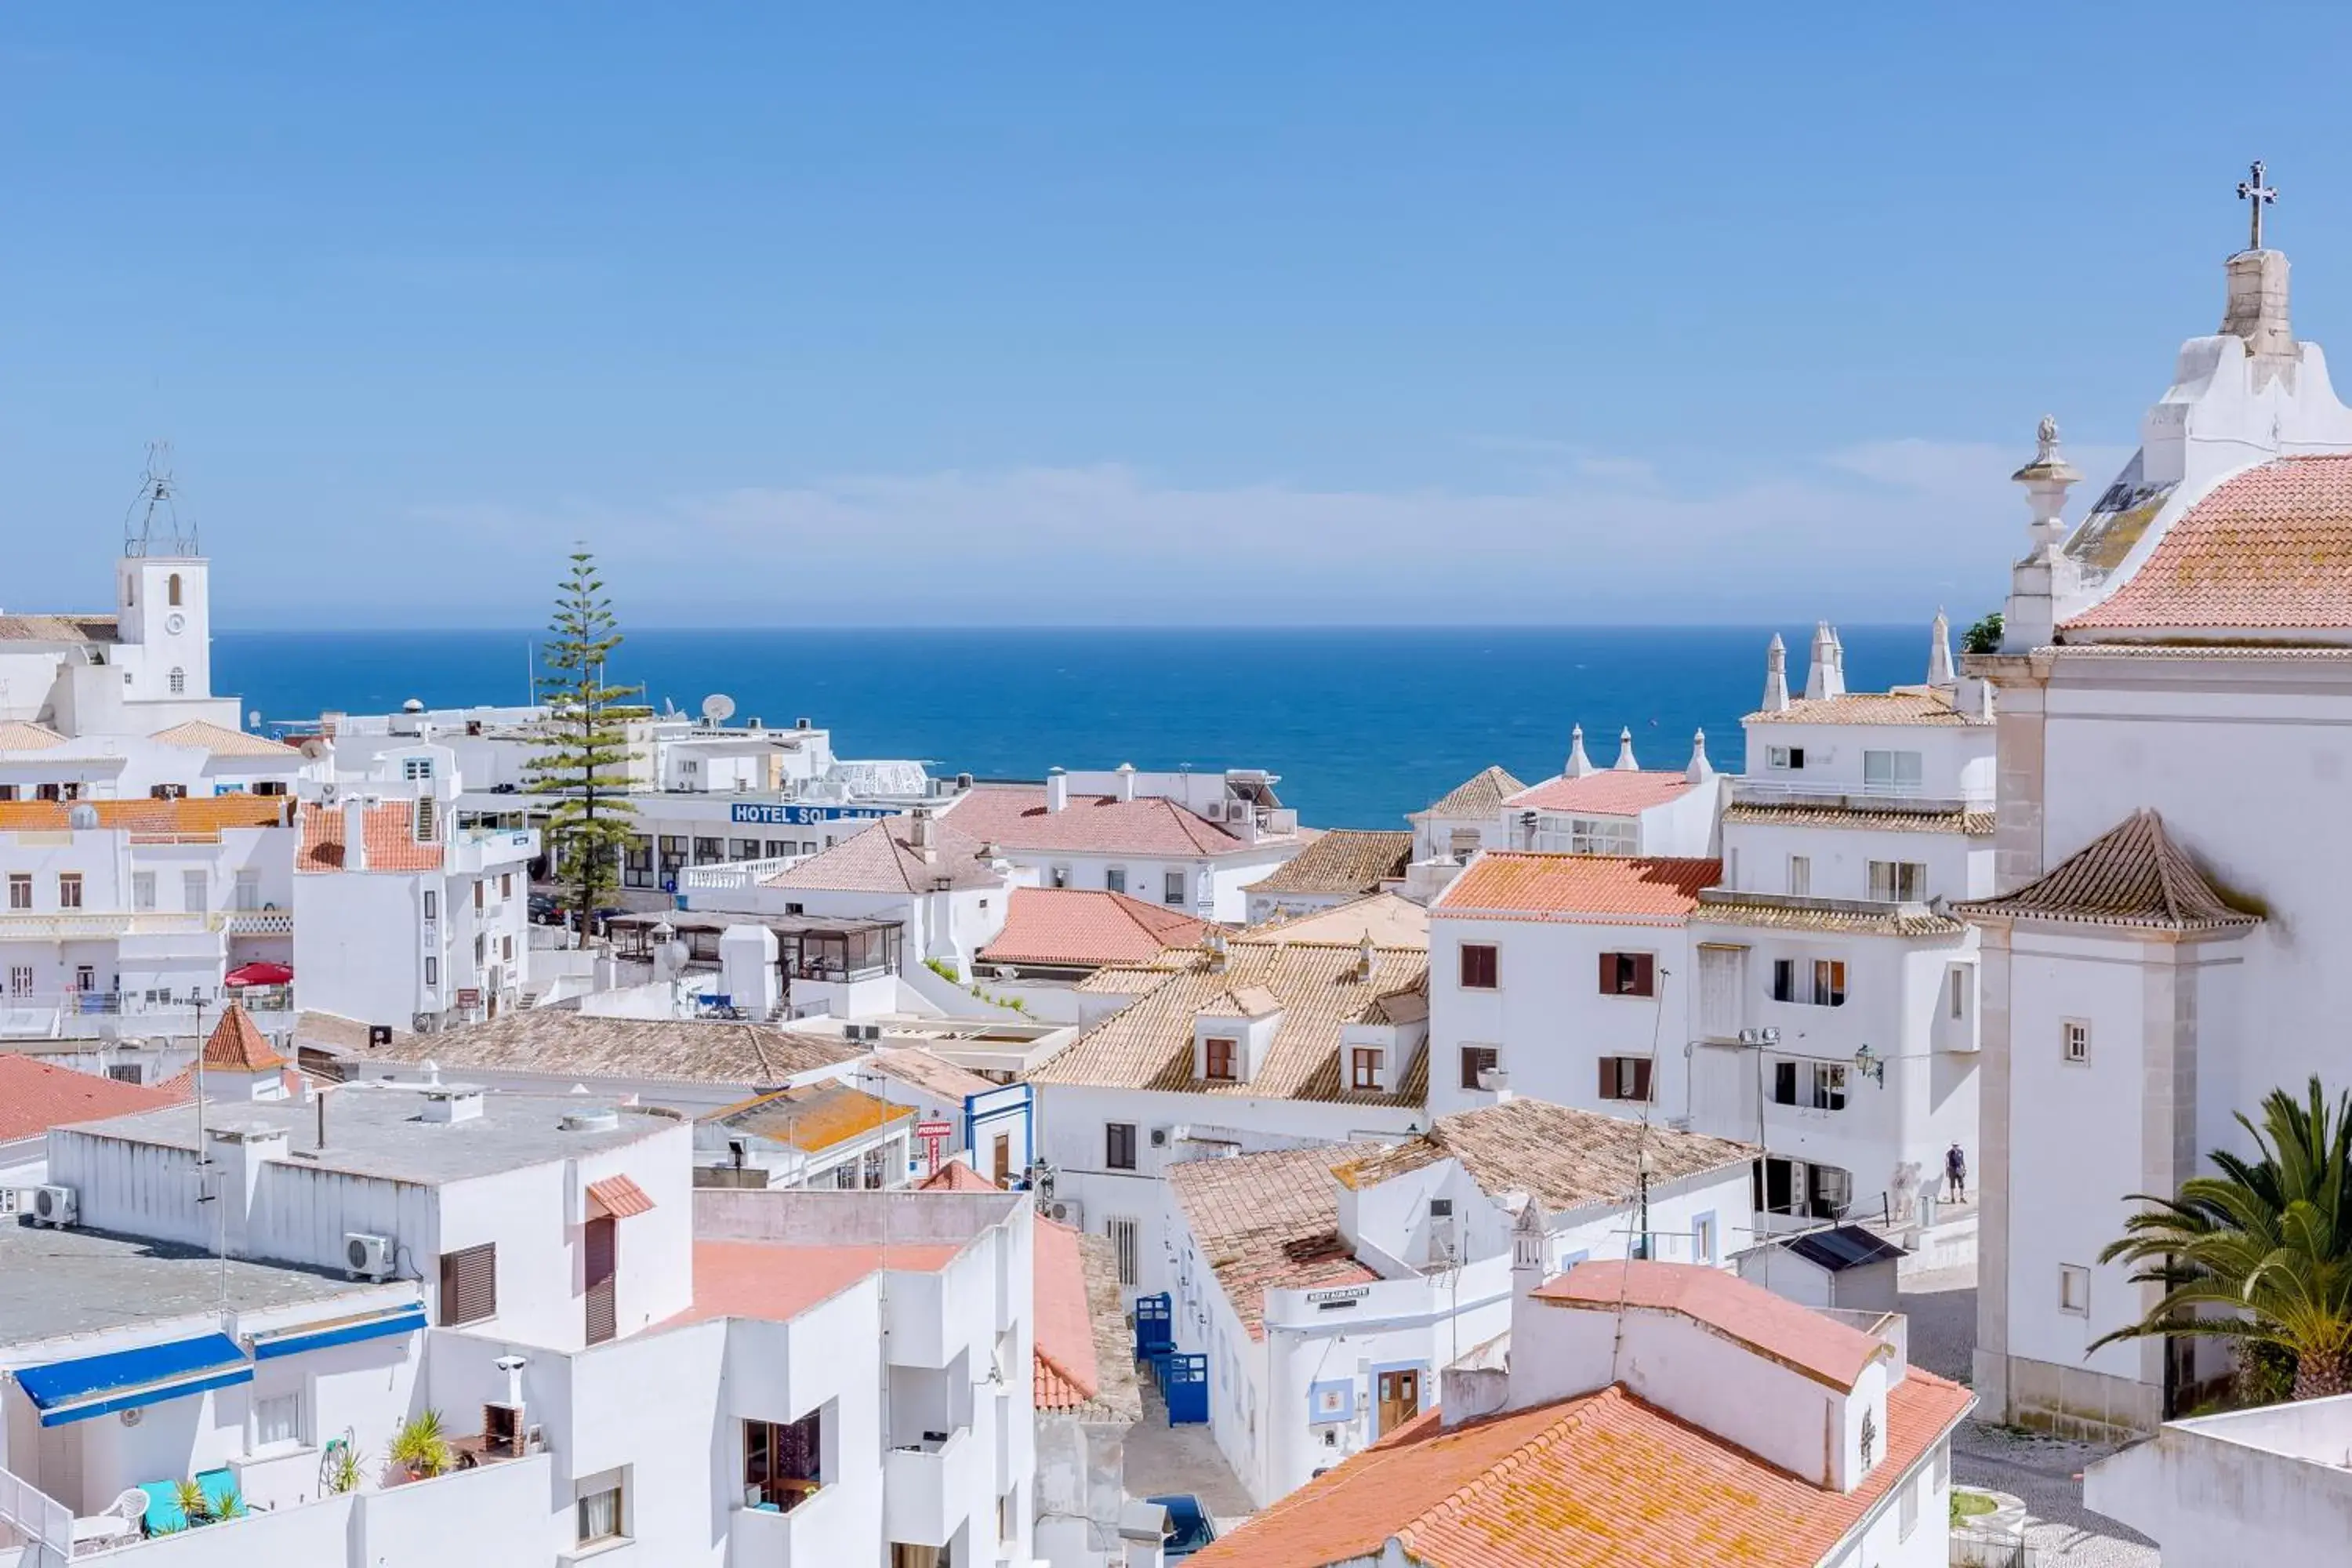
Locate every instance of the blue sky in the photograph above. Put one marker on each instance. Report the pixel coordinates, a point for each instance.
(1093, 314)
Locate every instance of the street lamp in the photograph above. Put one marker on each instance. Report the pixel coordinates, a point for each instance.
(1868, 1064)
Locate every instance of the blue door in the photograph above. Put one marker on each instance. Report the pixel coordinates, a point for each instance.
(1155, 1331)
(1184, 1383)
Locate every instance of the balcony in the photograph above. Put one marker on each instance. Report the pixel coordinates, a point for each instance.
(925, 1484)
(1857, 795)
(733, 875)
(93, 1014)
(478, 849)
(806, 1536)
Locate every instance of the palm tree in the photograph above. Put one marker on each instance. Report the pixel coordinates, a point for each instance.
(2261, 1254)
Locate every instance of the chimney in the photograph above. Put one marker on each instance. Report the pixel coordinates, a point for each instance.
(355, 835)
(1127, 781)
(1578, 765)
(1700, 769)
(1817, 667)
(1212, 943)
(1368, 957)
(1625, 763)
(921, 835)
(1057, 790)
(1776, 676)
(1837, 663)
(1939, 650)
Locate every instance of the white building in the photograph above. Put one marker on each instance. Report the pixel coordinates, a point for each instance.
(1328, 1287)
(1624, 809)
(2161, 951)
(2267, 1485)
(1655, 1412)
(1306, 1033)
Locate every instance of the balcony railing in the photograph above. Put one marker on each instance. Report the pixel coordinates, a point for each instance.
(733, 874)
(1859, 793)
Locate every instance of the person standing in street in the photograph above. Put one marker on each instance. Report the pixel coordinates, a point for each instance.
(1956, 1174)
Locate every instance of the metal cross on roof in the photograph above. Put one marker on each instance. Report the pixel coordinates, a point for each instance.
(2259, 194)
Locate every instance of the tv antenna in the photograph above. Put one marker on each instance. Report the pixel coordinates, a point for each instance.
(158, 500)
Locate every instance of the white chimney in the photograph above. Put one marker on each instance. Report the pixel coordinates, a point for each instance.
(1578, 765)
(921, 836)
(1700, 769)
(1776, 676)
(1939, 652)
(1625, 763)
(355, 835)
(1127, 781)
(1057, 790)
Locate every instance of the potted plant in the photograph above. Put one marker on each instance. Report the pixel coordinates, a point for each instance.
(419, 1448)
(346, 1467)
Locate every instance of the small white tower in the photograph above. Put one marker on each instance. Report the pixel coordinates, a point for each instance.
(1578, 765)
(2045, 574)
(1817, 666)
(1776, 676)
(1700, 769)
(162, 594)
(1939, 652)
(1625, 763)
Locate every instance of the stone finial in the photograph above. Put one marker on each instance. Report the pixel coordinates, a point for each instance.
(1776, 676)
(1939, 650)
(1578, 765)
(1700, 769)
(1368, 957)
(1625, 763)
(2046, 481)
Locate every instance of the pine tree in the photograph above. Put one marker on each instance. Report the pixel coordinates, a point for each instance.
(584, 760)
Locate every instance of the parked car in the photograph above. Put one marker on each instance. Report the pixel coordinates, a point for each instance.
(546, 909)
(1189, 1528)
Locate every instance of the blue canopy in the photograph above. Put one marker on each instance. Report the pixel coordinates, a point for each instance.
(77, 1390)
(400, 1319)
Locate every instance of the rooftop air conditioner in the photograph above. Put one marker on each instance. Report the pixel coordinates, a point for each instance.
(55, 1206)
(1160, 1138)
(367, 1257)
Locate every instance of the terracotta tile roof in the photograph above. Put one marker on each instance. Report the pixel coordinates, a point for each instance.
(16, 735)
(1904, 705)
(1512, 884)
(66, 629)
(2269, 548)
(1085, 928)
(776, 1282)
(1270, 1222)
(391, 844)
(1612, 791)
(1565, 1157)
(1818, 915)
(1972, 824)
(956, 1176)
(1066, 1373)
(1601, 1480)
(1344, 860)
(35, 1096)
(191, 817)
(620, 1197)
(559, 1041)
(1015, 817)
(222, 742)
(812, 1119)
(1149, 1043)
(1479, 795)
(1244, 1002)
(1799, 1338)
(882, 860)
(1388, 920)
(237, 1043)
(2131, 875)
(933, 1074)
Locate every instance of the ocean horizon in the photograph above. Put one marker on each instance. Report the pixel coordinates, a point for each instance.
(1362, 724)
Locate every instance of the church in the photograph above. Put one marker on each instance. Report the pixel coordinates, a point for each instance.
(2166, 942)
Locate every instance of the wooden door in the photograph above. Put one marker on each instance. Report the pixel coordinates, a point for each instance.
(601, 1270)
(1003, 1157)
(1400, 1395)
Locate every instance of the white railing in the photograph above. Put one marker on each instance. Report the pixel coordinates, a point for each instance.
(1826, 791)
(260, 923)
(733, 874)
(43, 1525)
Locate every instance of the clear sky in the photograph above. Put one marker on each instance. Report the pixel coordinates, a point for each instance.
(1110, 313)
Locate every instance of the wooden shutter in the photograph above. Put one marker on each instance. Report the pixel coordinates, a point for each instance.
(1608, 1078)
(469, 1285)
(600, 1249)
(1642, 1077)
(1644, 971)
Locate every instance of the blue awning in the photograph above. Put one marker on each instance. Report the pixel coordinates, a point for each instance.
(67, 1390)
(341, 1331)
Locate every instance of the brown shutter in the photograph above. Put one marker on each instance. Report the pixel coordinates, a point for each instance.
(1608, 974)
(1608, 1078)
(1644, 969)
(1641, 1080)
(469, 1285)
(600, 1251)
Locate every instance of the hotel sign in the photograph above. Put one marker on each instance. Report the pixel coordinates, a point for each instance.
(802, 815)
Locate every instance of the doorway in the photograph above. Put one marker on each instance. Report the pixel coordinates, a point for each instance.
(1399, 1398)
(1003, 1158)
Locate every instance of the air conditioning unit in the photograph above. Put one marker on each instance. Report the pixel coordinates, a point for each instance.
(55, 1206)
(1059, 1212)
(1160, 1138)
(869, 1031)
(367, 1257)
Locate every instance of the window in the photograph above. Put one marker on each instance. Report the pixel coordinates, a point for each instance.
(1119, 1145)
(195, 891)
(2075, 1289)
(1477, 1060)
(506, 950)
(172, 589)
(142, 890)
(742, 850)
(1800, 876)
(1217, 1058)
(1941, 1470)
(1829, 982)
(1890, 772)
(69, 889)
(1789, 757)
(431, 905)
(1784, 1083)
(167, 791)
(1114, 879)
(20, 980)
(707, 851)
(1625, 1078)
(1628, 974)
(844, 1176)
(1823, 1087)
(1959, 987)
(1821, 985)
(424, 823)
(50, 791)
(2074, 1037)
(469, 1285)
(278, 1419)
(1829, 1086)
(20, 890)
(778, 848)
(600, 1514)
(506, 880)
(248, 894)
(1479, 967)
(1122, 1233)
(1059, 876)
(432, 969)
(414, 768)
(481, 884)
(85, 978)
(179, 678)
(782, 1460)
(481, 948)
(126, 1072)
(8, 791)
(1703, 1240)
(1731, 865)
(1898, 881)
(808, 845)
(1907, 1510)
(1604, 835)
(1464, 842)
(1869, 1439)
(1172, 888)
(1364, 1066)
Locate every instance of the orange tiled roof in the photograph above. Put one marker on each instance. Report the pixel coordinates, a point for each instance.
(1568, 1158)
(1015, 817)
(35, 1096)
(1344, 860)
(392, 843)
(1796, 1337)
(812, 1119)
(1904, 705)
(237, 1043)
(2269, 548)
(193, 814)
(16, 735)
(1601, 1480)
(224, 741)
(2131, 875)
(1066, 1373)
(1480, 794)
(1612, 791)
(883, 859)
(1512, 884)
(621, 1197)
(956, 1176)
(776, 1282)
(1270, 1222)
(1086, 927)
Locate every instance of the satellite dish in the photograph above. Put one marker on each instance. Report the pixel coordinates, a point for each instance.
(82, 818)
(412, 706)
(317, 746)
(718, 708)
(253, 719)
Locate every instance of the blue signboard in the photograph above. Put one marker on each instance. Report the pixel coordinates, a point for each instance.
(802, 815)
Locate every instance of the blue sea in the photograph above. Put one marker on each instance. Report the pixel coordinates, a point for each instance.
(1362, 724)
